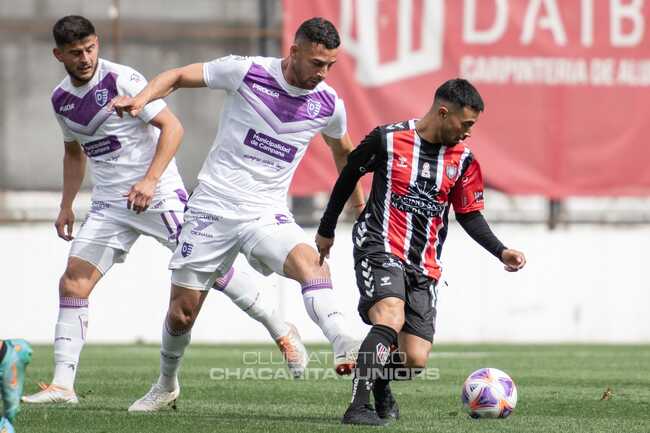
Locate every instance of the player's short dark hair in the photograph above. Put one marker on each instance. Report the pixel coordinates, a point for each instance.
(320, 31)
(460, 92)
(72, 28)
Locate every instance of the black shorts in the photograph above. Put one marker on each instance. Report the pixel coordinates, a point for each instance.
(383, 275)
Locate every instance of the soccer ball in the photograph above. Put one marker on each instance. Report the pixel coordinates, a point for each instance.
(489, 393)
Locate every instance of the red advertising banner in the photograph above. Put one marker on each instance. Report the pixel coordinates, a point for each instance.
(566, 84)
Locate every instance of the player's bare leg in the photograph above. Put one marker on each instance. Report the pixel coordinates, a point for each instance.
(240, 286)
(75, 286)
(184, 307)
(302, 265)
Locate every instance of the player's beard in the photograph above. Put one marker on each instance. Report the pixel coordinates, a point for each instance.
(73, 74)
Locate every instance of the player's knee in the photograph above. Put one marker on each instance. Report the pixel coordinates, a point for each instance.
(181, 317)
(73, 284)
(302, 264)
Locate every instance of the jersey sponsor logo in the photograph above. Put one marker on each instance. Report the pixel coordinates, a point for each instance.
(101, 97)
(186, 249)
(385, 281)
(135, 77)
(401, 162)
(270, 146)
(270, 92)
(102, 146)
(313, 108)
(66, 108)
(419, 201)
(478, 195)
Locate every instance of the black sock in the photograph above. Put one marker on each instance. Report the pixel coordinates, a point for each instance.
(3, 350)
(373, 355)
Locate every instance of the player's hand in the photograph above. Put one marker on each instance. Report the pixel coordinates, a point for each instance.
(140, 196)
(323, 245)
(64, 223)
(513, 260)
(128, 104)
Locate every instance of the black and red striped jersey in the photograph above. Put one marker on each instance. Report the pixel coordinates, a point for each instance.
(414, 183)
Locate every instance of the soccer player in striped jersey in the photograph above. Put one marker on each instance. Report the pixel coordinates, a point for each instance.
(137, 191)
(421, 168)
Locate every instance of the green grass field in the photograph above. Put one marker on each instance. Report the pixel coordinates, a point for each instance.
(560, 390)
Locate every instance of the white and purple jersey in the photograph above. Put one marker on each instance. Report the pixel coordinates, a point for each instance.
(265, 128)
(120, 150)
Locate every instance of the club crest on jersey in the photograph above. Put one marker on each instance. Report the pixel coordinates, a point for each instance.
(313, 108)
(426, 170)
(451, 171)
(186, 249)
(101, 97)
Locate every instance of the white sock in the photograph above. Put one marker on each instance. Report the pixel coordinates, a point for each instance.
(171, 355)
(239, 287)
(69, 339)
(322, 308)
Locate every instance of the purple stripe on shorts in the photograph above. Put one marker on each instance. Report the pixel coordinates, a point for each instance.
(67, 302)
(316, 284)
(221, 283)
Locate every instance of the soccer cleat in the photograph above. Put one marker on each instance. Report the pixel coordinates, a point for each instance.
(52, 394)
(12, 375)
(385, 405)
(5, 426)
(294, 352)
(362, 415)
(155, 400)
(345, 356)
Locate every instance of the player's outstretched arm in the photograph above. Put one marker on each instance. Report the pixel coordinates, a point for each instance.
(74, 167)
(171, 134)
(159, 87)
(341, 148)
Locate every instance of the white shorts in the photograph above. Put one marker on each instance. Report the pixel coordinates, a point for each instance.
(110, 229)
(208, 245)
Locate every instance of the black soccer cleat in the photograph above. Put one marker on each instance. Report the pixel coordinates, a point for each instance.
(362, 415)
(387, 407)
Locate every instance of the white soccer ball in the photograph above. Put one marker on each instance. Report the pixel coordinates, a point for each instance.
(489, 393)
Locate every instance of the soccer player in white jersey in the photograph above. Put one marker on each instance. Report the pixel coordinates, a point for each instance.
(273, 108)
(137, 191)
